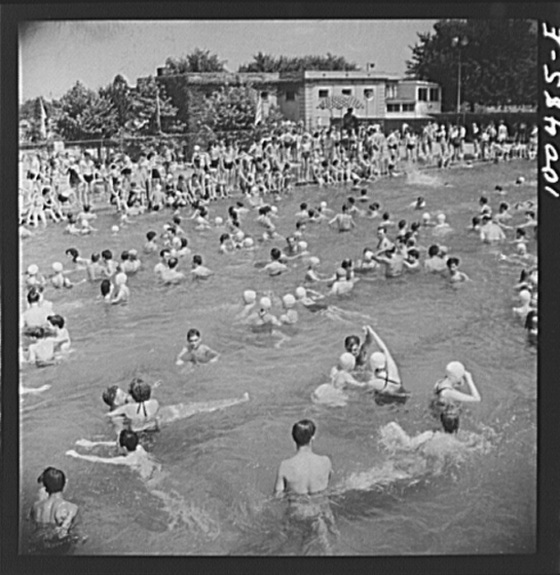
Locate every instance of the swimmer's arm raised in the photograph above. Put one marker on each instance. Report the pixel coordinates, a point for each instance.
(119, 460)
(459, 396)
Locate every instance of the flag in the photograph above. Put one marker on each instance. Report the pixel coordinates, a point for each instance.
(259, 110)
(158, 113)
(42, 120)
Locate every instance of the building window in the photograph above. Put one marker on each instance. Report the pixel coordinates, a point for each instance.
(290, 95)
(323, 93)
(434, 94)
(264, 96)
(391, 91)
(368, 93)
(346, 91)
(408, 107)
(423, 94)
(393, 107)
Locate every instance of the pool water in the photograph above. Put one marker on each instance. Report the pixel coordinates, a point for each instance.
(214, 495)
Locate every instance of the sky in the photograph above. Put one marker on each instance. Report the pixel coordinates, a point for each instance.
(53, 55)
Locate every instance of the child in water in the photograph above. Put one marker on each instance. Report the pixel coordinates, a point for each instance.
(51, 508)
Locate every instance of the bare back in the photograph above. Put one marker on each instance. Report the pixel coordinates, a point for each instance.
(305, 474)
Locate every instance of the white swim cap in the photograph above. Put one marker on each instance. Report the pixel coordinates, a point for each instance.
(57, 267)
(114, 229)
(218, 221)
(323, 204)
(297, 234)
(289, 300)
(196, 148)
(32, 270)
(238, 235)
(248, 243)
(525, 296)
(274, 209)
(120, 278)
(520, 180)
(521, 248)
(300, 292)
(426, 216)
(346, 361)
(443, 249)
(377, 360)
(133, 252)
(314, 261)
(440, 218)
(455, 370)
(265, 303)
(368, 255)
(249, 296)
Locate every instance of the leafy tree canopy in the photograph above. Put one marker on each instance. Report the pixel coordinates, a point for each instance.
(268, 63)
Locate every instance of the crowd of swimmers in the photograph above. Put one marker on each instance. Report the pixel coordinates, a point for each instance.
(409, 243)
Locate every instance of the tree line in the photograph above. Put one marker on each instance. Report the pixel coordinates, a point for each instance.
(497, 60)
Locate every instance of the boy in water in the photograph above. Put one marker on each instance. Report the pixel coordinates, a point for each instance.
(196, 351)
(198, 270)
(135, 456)
(41, 353)
(51, 508)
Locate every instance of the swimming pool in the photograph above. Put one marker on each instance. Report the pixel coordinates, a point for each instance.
(219, 468)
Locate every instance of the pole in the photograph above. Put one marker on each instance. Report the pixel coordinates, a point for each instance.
(459, 85)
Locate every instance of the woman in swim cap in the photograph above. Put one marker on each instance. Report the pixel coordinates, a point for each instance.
(447, 398)
(385, 378)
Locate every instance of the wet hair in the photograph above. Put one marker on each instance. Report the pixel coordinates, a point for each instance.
(184, 242)
(139, 390)
(520, 232)
(300, 225)
(450, 422)
(351, 200)
(224, 237)
(402, 224)
(197, 260)
(375, 206)
(483, 200)
(303, 206)
(73, 252)
(433, 250)
(414, 226)
(385, 216)
(124, 255)
(109, 395)
(164, 252)
(56, 320)
(346, 264)
(128, 439)
(530, 213)
(452, 261)
(414, 253)
(37, 332)
(193, 331)
(275, 253)
(303, 431)
(172, 263)
(504, 206)
(475, 221)
(351, 340)
(106, 254)
(529, 319)
(53, 480)
(177, 220)
(105, 287)
(33, 296)
(151, 235)
(95, 257)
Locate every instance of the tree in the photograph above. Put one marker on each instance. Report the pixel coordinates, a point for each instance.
(267, 63)
(197, 61)
(498, 61)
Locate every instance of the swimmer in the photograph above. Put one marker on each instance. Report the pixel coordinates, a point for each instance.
(427, 220)
(123, 293)
(490, 231)
(435, 263)
(106, 288)
(36, 314)
(61, 336)
(290, 315)
(419, 203)
(109, 263)
(51, 508)
(138, 415)
(115, 397)
(447, 396)
(249, 302)
(441, 227)
(344, 221)
(275, 267)
(263, 318)
(311, 275)
(161, 266)
(151, 244)
(33, 278)
(196, 351)
(306, 473)
(523, 310)
(341, 375)
(393, 262)
(359, 350)
(171, 275)
(385, 378)
(198, 271)
(94, 269)
(41, 353)
(342, 285)
(455, 275)
(367, 264)
(412, 260)
(310, 299)
(58, 280)
(135, 456)
(383, 243)
(532, 327)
